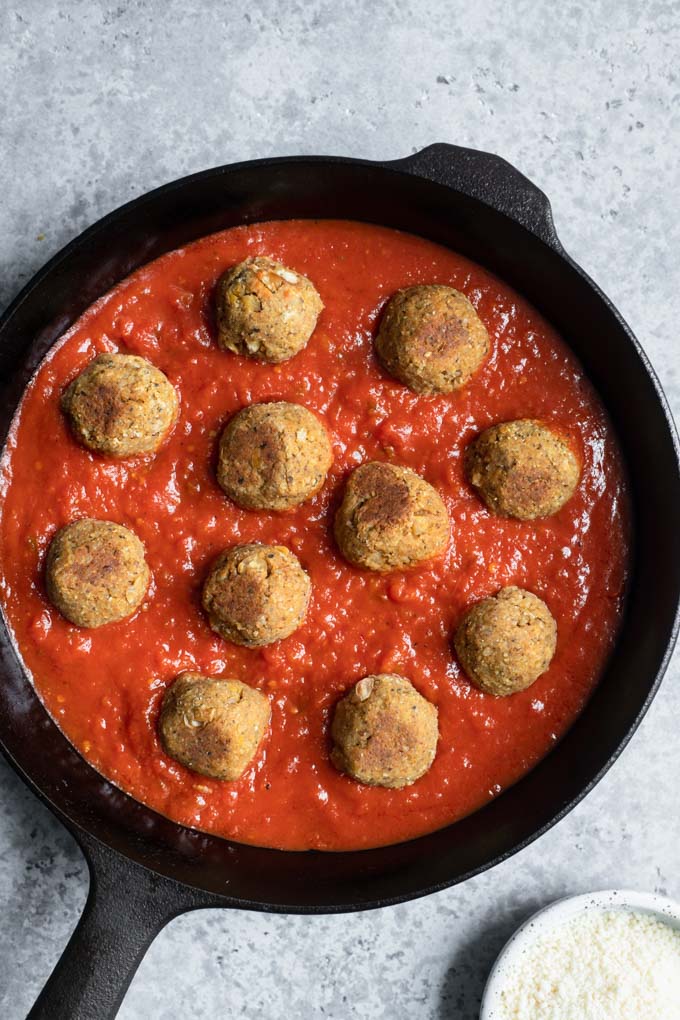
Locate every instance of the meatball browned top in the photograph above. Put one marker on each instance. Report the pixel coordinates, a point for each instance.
(96, 572)
(431, 339)
(390, 518)
(522, 469)
(256, 594)
(506, 642)
(212, 725)
(265, 310)
(384, 732)
(121, 405)
(273, 456)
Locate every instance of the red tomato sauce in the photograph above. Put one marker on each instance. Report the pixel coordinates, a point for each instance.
(104, 687)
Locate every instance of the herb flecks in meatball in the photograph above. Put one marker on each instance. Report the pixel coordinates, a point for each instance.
(121, 405)
(390, 519)
(273, 456)
(506, 642)
(384, 732)
(522, 469)
(256, 594)
(431, 339)
(213, 725)
(265, 310)
(96, 572)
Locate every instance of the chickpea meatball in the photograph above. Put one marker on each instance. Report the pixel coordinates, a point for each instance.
(506, 642)
(96, 572)
(273, 456)
(121, 405)
(390, 519)
(256, 594)
(384, 732)
(522, 469)
(431, 339)
(265, 311)
(211, 725)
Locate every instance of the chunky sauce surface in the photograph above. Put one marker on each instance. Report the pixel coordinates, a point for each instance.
(104, 687)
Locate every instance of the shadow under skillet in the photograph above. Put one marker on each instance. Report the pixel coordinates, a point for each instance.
(461, 991)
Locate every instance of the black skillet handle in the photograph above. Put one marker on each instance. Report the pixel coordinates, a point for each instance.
(491, 180)
(127, 906)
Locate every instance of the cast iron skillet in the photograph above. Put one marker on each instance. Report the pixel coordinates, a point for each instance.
(145, 869)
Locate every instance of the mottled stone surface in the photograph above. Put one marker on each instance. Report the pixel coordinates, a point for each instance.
(103, 101)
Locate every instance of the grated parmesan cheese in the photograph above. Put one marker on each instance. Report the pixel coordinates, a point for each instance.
(601, 965)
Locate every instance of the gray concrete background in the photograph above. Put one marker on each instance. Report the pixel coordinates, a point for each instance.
(100, 102)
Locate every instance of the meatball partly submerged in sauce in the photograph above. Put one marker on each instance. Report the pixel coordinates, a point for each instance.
(522, 469)
(390, 519)
(384, 732)
(256, 594)
(431, 339)
(506, 642)
(265, 310)
(96, 572)
(273, 456)
(213, 726)
(121, 405)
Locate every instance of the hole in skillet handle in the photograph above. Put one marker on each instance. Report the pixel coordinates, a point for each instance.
(489, 179)
(127, 906)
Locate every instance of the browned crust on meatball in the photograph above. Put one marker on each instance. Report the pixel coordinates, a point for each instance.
(385, 733)
(121, 405)
(522, 469)
(256, 594)
(390, 519)
(213, 725)
(431, 339)
(96, 572)
(265, 310)
(506, 642)
(273, 456)
(383, 498)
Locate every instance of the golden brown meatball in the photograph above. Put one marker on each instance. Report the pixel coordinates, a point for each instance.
(96, 572)
(384, 732)
(390, 518)
(506, 642)
(121, 405)
(431, 339)
(522, 469)
(212, 725)
(265, 310)
(273, 456)
(256, 594)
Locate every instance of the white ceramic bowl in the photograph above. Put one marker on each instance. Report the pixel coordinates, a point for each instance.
(557, 914)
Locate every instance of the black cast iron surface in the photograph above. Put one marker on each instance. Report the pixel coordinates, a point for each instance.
(145, 869)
